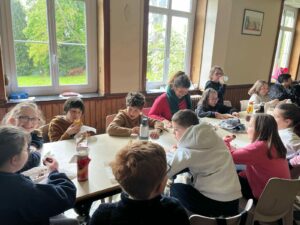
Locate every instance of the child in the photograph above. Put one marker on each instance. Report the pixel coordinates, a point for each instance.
(287, 117)
(22, 201)
(208, 106)
(215, 189)
(264, 157)
(128, 120)
(176, 97)
(28, 116)
(141, 168)
(66, 126)
(259, 95)
(216, 82)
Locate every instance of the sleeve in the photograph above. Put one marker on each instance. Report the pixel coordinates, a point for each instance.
(178, 161)
(34, 160)
(223, 109)
(50, 199)
(156, 124)
(157, 109)
(36, 140)
(248, 155)
(117, 127)
(56, 133)
(294, 144)
(201, 112)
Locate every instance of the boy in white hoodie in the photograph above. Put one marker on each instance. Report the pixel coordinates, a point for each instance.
(215, 189)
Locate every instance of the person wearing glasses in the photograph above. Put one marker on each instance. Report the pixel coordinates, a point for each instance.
(208, 106)
(214, 189)
(141, 170)
(176, 97)
(216, 81)
(28, 116)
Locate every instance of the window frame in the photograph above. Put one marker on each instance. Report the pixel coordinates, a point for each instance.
(190, 16)
(281, 34)
(9, 62)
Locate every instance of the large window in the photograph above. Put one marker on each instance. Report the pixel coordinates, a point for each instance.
(170, 33)
(49, 46)
(285, 39)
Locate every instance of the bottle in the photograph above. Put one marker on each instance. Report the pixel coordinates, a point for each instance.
(83, 161)
(250, 107)
(144, 129)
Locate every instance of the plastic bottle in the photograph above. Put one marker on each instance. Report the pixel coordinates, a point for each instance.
(144, 129)
(250, 107)
(83, 161)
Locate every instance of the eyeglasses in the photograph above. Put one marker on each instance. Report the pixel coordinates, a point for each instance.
(26, 119)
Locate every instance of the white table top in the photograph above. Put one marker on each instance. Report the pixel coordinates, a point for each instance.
(102, 149)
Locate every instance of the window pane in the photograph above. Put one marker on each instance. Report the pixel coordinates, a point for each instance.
(284, 49)
(289, 18)
(156, 47)
(159, 3)
(181, 5)
(71, 41)
(31, 43)
(178, 44)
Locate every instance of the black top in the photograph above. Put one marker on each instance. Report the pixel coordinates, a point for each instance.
(34, 159)
(24, 202)
(220, 88)
(277, 91)
(36, 140)
(210, 111)
(159, 211)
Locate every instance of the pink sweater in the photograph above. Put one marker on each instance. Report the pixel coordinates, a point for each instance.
(161, 110)
(259, 167)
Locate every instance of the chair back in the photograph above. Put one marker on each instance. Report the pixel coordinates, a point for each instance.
(239, 219)
(44, 129)
(276, 201)
(244, 105)
(109, 119)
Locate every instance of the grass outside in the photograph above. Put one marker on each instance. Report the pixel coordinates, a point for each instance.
(29, 81)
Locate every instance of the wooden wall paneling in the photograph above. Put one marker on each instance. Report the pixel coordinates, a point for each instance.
(93, 112)
(235, 93)
(99, 117)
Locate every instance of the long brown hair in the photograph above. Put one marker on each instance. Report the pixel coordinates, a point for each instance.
(205, 95)
(266, 130)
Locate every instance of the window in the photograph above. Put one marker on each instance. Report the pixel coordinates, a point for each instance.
(285, 38)
(49, 46)
(170, 33)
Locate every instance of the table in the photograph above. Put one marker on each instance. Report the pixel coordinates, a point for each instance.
(241, 139)
(102, 150)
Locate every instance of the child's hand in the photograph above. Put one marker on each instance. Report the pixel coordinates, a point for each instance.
(223, 116)
(229, 138)
(154, 134)
(135, 130)
(167, 123)
(51, 163)
(236, 114)
(73, 129)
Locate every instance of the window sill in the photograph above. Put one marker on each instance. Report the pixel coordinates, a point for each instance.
(48, 98)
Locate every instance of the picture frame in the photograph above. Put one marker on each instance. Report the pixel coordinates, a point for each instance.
(252, 22)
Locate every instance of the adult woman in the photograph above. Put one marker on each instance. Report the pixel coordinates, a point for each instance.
(175, 98)
(216, 82)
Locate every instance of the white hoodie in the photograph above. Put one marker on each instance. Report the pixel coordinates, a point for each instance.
(202, 151)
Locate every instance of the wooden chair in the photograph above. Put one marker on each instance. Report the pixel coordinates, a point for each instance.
(276, 202)
(44, 129)
(239, 219)
(109, 119)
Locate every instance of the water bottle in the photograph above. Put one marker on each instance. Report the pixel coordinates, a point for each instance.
(83, 161)
(144, 129)
(250, 108)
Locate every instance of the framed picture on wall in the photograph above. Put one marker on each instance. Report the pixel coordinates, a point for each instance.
(252, 22)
